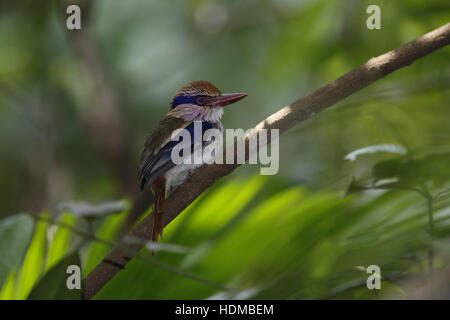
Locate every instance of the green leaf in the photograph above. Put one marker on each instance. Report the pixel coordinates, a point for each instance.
(391, 148)
(7, 292)
(356, 186)
(292, 244)
(53, 286)
(60, 241)
(353, 187)
(33, 264)
(108, 231)
(93, 210)
(15, 235)
(412, 172)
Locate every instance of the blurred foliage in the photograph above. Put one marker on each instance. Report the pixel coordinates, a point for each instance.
(53, 284)
(287, 236)
(15, 234)
(293, 244)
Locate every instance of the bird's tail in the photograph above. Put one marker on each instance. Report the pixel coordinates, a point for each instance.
(159, 196)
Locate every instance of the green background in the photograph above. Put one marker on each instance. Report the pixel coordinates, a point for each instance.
(289, 236)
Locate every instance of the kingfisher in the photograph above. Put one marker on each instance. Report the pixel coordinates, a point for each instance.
(198, 103)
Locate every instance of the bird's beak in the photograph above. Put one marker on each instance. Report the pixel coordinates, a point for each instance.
(224, 99)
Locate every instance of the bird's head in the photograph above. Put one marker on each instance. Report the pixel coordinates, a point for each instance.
(202, 101)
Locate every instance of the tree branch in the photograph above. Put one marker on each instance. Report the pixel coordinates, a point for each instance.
(286, 118)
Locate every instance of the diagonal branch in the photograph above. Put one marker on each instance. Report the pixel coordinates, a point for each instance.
(286, 118)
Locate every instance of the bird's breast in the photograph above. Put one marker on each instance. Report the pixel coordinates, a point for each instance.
(203, 152)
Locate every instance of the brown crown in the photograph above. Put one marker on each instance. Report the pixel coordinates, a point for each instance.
(200, 87)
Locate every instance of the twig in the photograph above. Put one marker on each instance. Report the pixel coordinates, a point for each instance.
(286, 118)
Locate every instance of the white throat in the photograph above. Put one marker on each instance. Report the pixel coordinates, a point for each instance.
(192, 112)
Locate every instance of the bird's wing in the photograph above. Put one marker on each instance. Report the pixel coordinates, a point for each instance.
(156, 157)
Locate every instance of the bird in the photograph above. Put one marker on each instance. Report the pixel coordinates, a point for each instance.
(200, 102)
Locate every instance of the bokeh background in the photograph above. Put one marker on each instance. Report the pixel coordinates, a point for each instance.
(76, 106)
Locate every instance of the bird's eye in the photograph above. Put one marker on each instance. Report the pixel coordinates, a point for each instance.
(199, 100)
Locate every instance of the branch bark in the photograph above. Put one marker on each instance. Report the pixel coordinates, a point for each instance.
(286, 118)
